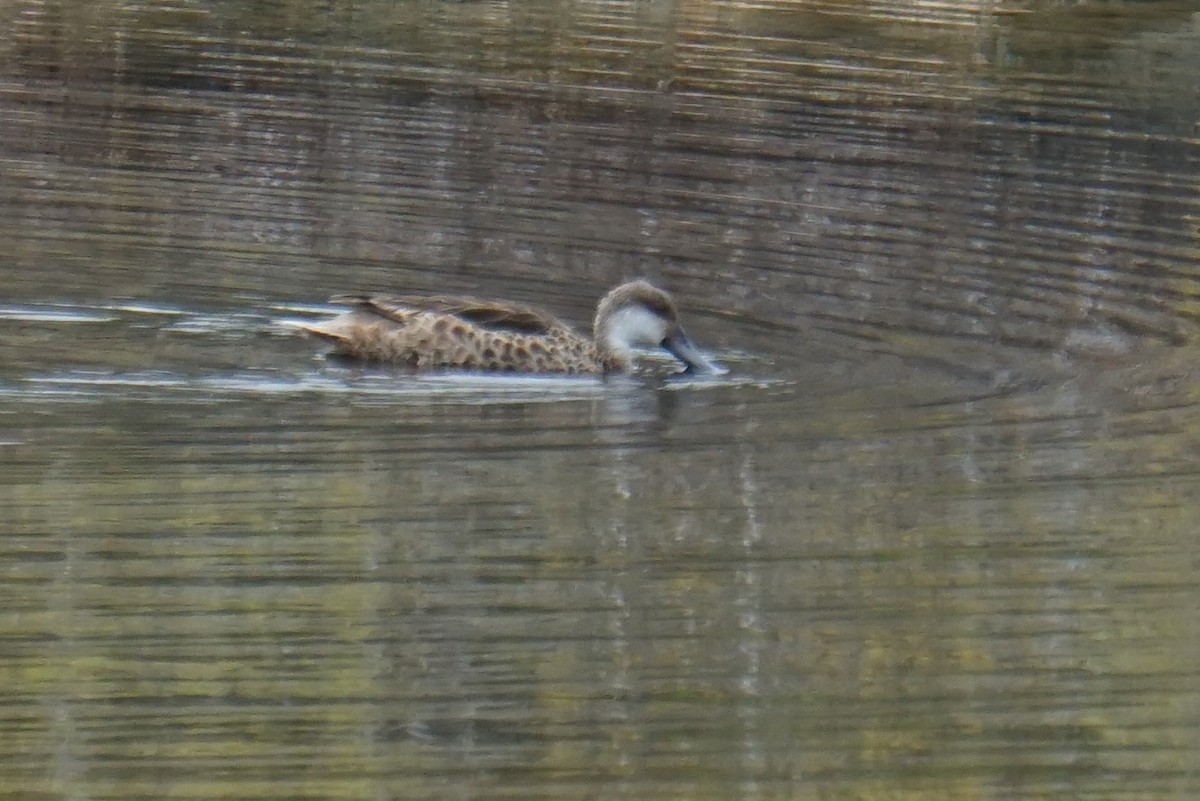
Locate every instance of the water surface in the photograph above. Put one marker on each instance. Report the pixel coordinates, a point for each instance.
(933, 535)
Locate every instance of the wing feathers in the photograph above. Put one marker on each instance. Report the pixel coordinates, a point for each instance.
(484, 313)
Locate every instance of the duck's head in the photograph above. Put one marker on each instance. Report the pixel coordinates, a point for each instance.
(640, 315)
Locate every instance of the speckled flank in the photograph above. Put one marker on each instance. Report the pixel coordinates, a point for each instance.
(425, 340)
(465, 333)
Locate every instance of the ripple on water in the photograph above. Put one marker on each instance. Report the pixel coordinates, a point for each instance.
(53, 314)
(932, 537)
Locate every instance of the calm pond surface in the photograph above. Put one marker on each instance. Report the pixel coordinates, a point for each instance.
(933, 536)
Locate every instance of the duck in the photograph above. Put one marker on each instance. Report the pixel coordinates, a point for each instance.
(465, 333)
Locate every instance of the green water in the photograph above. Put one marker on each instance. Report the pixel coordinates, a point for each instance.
(932, 537)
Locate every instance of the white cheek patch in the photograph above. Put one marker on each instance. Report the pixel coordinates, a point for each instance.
(635, 326)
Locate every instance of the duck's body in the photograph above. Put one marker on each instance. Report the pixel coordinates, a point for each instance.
(470, 334)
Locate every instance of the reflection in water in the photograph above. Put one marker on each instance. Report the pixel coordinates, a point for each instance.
(930, 537)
